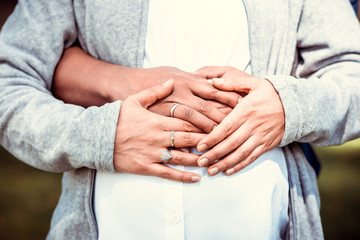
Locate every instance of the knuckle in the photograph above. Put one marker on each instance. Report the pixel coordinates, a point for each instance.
(239, 166)
(184, 178)
(209, 127)
(244, 153)
(213, 155)
(188, 127)
(229, 128)
(155, 122)
(187, 113)
(188, 138)
(236, 142)
(224, 164)
(197, 77)
(212, 93)
(204, 106)
(166, 175)
(252, 158)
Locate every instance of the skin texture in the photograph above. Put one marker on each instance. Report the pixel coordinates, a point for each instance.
(255, 126)
(144, 125)
(239, 129)
(83, 80)
(142, 135)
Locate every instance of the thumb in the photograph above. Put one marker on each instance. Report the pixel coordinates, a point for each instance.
(149, 96)
(241, 84)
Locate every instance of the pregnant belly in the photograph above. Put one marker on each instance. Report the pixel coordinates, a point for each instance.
(251, 204)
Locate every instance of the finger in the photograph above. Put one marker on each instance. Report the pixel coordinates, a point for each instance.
(213, 71)
(151, 95)
(183, 158)
(224, 108)
(205, 108)
(166, 172)
(238, 84)
(229, 98)
(229, 125)
(181, 139)
(245, 162)
(191, 115)
(208, 91)
(235, 158)
(179, 125)
(224, 148)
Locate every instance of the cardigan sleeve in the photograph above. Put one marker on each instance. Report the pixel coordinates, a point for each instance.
(322, 100)
(34, 126)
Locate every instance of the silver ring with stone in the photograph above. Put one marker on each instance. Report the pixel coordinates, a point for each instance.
(173, 109)
(172, 134)
(166, 156)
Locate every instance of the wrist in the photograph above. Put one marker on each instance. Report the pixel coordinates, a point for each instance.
(122, 81)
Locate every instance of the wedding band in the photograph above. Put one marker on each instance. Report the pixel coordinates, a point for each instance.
(166, 156)
(172, 134)
(173, 109)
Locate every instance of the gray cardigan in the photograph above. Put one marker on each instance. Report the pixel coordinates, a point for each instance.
(309, 52)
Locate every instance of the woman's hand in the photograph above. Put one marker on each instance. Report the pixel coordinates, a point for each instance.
(196, 96)
(255, 125)
(142, 136)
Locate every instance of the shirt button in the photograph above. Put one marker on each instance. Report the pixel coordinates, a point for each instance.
(175, 218)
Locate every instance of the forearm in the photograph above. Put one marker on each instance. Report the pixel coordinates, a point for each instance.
(86, 81)
(321, 101)
(83, 80)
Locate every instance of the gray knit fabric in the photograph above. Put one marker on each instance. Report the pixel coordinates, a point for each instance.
(309, 52)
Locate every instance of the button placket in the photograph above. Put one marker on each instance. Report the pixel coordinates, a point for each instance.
(173, 203)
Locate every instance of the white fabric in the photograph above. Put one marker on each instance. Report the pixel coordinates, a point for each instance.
(252, 204)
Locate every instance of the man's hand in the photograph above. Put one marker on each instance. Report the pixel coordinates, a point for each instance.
(255, 125)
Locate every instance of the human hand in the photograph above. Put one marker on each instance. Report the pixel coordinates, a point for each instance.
(142, 136)
(255, 125)
(195, 95)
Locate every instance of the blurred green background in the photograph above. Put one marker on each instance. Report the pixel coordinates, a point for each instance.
(28, 196)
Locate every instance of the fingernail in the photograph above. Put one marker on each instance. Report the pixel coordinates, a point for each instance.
(209, 81)
(230, 171)
(214, 171)
(195, 178)
(202, 147)
(203, 162)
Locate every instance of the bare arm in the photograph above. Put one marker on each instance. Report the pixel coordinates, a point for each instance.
(83, 80)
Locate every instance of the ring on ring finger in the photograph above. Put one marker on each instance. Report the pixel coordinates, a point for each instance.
(173, 109)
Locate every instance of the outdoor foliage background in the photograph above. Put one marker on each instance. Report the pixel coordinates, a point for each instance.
(28, 196)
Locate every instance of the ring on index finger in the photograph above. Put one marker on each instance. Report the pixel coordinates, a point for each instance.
(173, 109)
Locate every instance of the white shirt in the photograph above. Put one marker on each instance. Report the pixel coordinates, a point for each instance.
(251, 204)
